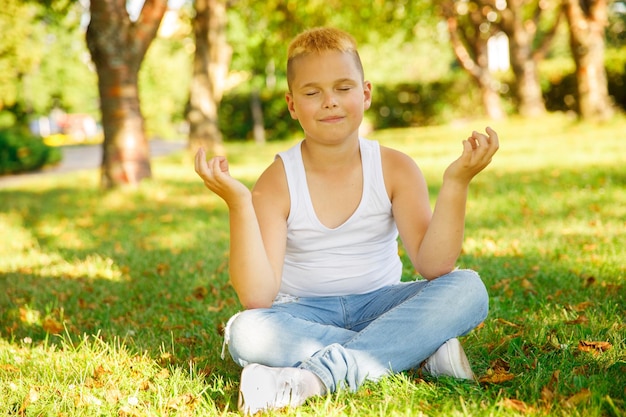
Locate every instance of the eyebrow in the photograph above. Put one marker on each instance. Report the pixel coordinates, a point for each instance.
(339, 81)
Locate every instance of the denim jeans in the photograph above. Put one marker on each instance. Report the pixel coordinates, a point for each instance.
(346, 340)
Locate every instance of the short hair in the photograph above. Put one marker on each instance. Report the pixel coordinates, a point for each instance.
(318, 40)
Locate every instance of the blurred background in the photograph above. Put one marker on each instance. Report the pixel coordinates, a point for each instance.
(120, 73)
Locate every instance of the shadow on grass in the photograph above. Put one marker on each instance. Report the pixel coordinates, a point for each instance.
(150, 268)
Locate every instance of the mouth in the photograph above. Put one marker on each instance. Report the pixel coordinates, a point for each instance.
(332, 119)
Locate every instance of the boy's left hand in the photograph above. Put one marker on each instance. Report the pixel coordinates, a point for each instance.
(478, 150)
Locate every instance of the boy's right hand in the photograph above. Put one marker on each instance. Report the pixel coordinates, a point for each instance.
(217, 178)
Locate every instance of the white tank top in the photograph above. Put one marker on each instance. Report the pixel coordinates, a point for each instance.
(357, 257)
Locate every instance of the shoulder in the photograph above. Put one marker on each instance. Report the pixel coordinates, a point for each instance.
(397, 164)
(400, 171)
(271, 188)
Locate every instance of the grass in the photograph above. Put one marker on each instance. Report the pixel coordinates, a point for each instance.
(113, 303)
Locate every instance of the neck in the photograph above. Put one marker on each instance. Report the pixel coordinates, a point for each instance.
(323, 156)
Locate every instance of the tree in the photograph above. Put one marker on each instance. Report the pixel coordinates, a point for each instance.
(20, 52)
(210, 68)
(520, 20)
(118, 46)
(469, 33)
(587, 21)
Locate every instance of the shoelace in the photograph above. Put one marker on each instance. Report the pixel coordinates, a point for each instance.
(289, 393)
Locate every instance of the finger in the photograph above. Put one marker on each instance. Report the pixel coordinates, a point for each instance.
(472, 142)
(493, 137)
(199, 159)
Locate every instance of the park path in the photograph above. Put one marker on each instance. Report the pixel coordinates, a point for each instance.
(77, 158)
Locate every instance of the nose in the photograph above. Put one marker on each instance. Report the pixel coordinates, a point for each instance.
(330, 101)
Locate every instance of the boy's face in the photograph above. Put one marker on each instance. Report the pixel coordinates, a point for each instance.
(328, 96)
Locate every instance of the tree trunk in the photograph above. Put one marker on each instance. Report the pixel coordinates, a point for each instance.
(587, 21)
(210, 68)
(117, 48)
(521, 34)
(472, 54)
(258, 123)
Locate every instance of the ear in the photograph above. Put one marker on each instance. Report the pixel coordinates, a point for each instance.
(367, 94)
(291, 106)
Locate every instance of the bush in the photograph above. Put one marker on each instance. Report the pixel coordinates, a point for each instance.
(21, 152)
(393, 105)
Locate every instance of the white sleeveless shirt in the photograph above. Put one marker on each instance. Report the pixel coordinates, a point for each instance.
(359, 256)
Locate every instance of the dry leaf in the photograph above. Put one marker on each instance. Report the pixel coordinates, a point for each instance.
(200, 292)
(127, 411)
(496, 377)
(52, 326)
(582, 306)
(85, 400)
(548, 393)
(515, 405)
(188, 401)
(581, 319)
(508, 323)
(594, 347)
(574, 400)
(497, 373)
(113, 396)
(8, 368)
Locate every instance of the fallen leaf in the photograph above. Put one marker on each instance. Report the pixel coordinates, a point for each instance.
(162, 269)
(582, 306)
(52, 326)
(85, 400)
(8, 368)
(548, 392)
(574, 400)
(581, 319)
(186, 401)
(127, 411)
(515, 405)
(496, 377)
(113, 396)
(200, 292)
(594, 347)
(497, 373)
(508, 323)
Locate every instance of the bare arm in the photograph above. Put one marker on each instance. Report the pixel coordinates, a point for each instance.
(434, 243)
(252, 274)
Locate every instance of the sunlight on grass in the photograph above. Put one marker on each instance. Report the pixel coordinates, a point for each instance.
(114, 303)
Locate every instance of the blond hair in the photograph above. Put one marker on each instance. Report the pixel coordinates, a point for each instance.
(321, 40)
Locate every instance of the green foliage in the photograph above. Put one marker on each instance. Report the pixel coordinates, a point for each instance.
(47, 63)
(20, 49)
(21, 152)
(113, 304)
(164, 83)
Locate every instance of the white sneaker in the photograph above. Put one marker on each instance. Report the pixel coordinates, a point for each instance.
(264, 388)
(450, 360)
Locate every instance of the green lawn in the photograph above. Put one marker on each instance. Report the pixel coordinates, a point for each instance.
(112, 304)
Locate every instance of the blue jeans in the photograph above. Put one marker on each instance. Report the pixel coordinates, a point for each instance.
(346, 340)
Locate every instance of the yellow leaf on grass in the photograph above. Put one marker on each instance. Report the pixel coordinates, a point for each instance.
(497, 377)
(516, 405)
(594, 347)
(188, 401)
(497, 373)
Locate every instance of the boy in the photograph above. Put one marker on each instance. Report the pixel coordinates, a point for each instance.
(314, 256)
